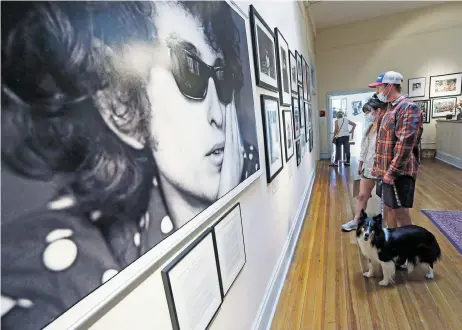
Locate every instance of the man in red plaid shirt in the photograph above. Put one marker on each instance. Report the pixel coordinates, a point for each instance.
(397, 152)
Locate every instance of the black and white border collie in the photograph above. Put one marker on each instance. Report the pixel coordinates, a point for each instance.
(407, 246)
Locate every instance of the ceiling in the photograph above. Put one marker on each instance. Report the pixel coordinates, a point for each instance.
(327, 14)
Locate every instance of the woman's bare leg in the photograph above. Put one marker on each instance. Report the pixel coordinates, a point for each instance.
(365, 191)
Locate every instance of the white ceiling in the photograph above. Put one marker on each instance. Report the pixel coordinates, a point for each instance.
(327, 14)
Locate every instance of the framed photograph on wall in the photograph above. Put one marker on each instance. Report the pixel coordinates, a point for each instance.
(446, 85)
(301, 105)
(293, 72)
(264, 52)
(424, 105)
(313, 76)
(282, 55)
(306, 105)
(287, 120)
(104, 258)
(192, 273)
(272, 133)
(298, 151)
(307, 78)
(299, 68)
(311, 139)
(228, 237)
(416, 87)
(296, 111)
(441, 107)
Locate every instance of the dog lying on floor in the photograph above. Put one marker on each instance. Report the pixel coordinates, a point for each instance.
(407, 246)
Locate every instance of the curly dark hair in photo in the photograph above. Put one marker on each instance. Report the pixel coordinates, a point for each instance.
(57, 58)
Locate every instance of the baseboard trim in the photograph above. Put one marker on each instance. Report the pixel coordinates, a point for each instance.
(325, 155)
(449, 159)
(268, 306)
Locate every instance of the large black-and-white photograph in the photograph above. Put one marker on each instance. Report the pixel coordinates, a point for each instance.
(288, 133)
(307, 82)
(263, 51)
(120, 124)
(298, 151)
(416, 87)
(293, 73)
(273, 140)
(283, 68)
(356, 106)
(298, 57)
(301, 106)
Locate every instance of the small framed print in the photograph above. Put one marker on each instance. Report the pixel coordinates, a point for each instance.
(282, 55)
(264, 53)
(296, 111)
(228, 237)
(293, 73)
(446, 85)
(441, 107)
(300, 106)
(299, 68)
(190, 275)
(307, 79)
(416, 87)
(424, 105)
(306, 105)
(272, 133)
(311, 139)
(289, 144)
(298, 150)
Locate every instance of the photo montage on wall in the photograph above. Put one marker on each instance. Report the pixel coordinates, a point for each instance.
(424, 105)
(445, 106)
(288, 133)
(416, 87)
(283, 68)
(192, 285)
(129, 148)
(263, 52)
(446, 85)
(272, 133)
(293, 73)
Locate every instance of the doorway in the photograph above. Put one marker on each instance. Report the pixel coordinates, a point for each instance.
(351, 104)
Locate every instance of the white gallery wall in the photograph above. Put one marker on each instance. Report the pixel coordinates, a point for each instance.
(419, 43)
(268, 214)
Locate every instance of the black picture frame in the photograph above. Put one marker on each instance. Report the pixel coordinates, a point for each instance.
(168, 286)
(293, 72)
(298, 151)
(300, 105)
(298, 58)
(296, 115)
(237, 205)
(424, 105)
(411, 82)
(458, 85)
(311, 139)
(255, 17)
(285, 121)
(270, 177)
(307, 81)
(453, 113)
(281, 42)
(307, 120)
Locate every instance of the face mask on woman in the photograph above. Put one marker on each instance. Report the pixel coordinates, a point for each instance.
(370, 117)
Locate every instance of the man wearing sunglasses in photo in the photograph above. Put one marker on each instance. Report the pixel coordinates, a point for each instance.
(121, 121)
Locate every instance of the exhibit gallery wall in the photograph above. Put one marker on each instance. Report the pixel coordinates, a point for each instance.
(435, 25)
(126, 133)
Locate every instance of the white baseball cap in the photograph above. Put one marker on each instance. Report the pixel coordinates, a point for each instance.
(388, 77)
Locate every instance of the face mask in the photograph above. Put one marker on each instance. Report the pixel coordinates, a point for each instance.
(382, 97)
(370, 117)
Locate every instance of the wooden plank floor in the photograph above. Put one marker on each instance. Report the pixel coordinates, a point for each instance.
(325, 288)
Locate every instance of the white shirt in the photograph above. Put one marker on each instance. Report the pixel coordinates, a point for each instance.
(343, 127)
(367, 155)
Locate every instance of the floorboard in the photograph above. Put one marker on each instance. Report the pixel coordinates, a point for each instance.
(325, 288)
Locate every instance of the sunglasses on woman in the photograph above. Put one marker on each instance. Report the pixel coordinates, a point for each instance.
(192, 76)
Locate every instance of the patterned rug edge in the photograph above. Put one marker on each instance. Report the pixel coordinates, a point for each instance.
(427, 214)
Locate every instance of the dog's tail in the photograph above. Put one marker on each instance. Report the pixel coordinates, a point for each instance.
(432, 251)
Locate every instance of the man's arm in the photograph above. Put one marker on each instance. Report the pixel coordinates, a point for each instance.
(407, 126)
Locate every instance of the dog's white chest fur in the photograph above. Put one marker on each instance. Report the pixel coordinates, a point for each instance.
(367, 249)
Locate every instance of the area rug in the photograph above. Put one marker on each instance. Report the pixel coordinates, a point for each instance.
(449, 223)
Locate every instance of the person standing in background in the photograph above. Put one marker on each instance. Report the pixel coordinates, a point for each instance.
(342, 137)
(398, 156)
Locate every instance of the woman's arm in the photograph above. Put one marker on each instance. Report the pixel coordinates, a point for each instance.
(353, 124)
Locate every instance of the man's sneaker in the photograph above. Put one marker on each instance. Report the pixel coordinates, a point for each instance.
(349, 226)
